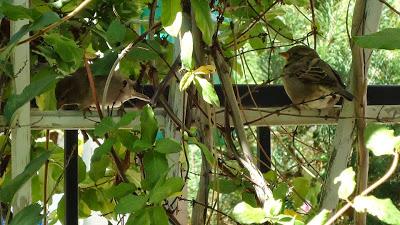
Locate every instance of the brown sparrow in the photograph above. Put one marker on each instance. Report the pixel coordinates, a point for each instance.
(75, 90)
(311, 82)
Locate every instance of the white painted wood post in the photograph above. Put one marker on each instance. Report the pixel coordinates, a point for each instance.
(21, 133)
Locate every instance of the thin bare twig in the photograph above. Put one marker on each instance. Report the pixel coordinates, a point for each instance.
(390, 7)
(389, 173)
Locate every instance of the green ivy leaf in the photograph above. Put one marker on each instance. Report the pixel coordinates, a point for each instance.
(131, 203)
(102, 66)
(142, 217)
(8, 190)
(115, 32)
(29, 215)
(301, 186)
(380, 140)
(207, 91)
(347, 183)
(321, 218)
(388, 38)
(224, 186)
(249, 198)
(280, 191)
(102, 150)
(66, 48)
(202, 15)
(98, 168)
(17, 12)
(33, 89)
(120, 190)
(106, 125)
(384, 209)
(155, 164)
(148, 125)
(170, 187)
(158, 215)
(245, 214)
(167, 146)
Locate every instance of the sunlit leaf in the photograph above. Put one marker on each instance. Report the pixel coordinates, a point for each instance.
(245, 214)
(207, 91)
(169, 9)
(205, 70)
(301, 186)
(388, 38)
(320, 218)
(347, 183)
(187, 50)
(380, 140)
(65, 47)
(273, 207)
(175, 27)
(384, 209)
(186, 81)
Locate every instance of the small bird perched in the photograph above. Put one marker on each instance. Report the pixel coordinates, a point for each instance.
(311, 82)
(75, 90)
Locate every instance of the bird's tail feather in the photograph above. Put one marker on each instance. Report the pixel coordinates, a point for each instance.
(347, 95)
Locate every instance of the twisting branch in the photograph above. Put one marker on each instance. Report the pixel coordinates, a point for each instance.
(56, 24)
(313, 26)
(389, 173)
(245, 156)
(390, 7)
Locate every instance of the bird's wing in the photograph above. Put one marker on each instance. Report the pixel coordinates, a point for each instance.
(318, 72)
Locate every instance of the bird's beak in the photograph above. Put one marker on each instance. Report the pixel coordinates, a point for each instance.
(284, 54)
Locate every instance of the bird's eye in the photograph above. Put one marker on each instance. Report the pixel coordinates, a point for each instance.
(125, 82)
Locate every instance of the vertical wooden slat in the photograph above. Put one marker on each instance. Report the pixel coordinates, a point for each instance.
(21, 134)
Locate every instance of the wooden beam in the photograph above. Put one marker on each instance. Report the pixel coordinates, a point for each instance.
(253, 116)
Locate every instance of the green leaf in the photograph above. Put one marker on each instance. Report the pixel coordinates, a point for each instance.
(116, 32)
(148, 125)
(155, 164)
(131, 203)
(384, 209)
(321, 218)
(207, 153)
(301, 186)
(283, 31)
(66, 48)
(106, 125)
(120, 190)
(187, 50)
(158, 215)
(16, 12)
(249, 198)
(102, 150)
(81, 170)
(29, 215)
(169, 10)
(388, 38)
(186, 81)
(127, 118)
(61, 210)
(224, 186)
(33, 89)
(142, 217)
(8, 190)
(380, 140)
(202, 15)
(127, 138)
(98, 168)
(207, 91)
(347, 183)
(270, 176)
(245, 214)
(170, 187)
(273, 207)
(167, 146)
(102, 66)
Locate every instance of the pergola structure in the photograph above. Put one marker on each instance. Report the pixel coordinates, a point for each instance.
(272, 108)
